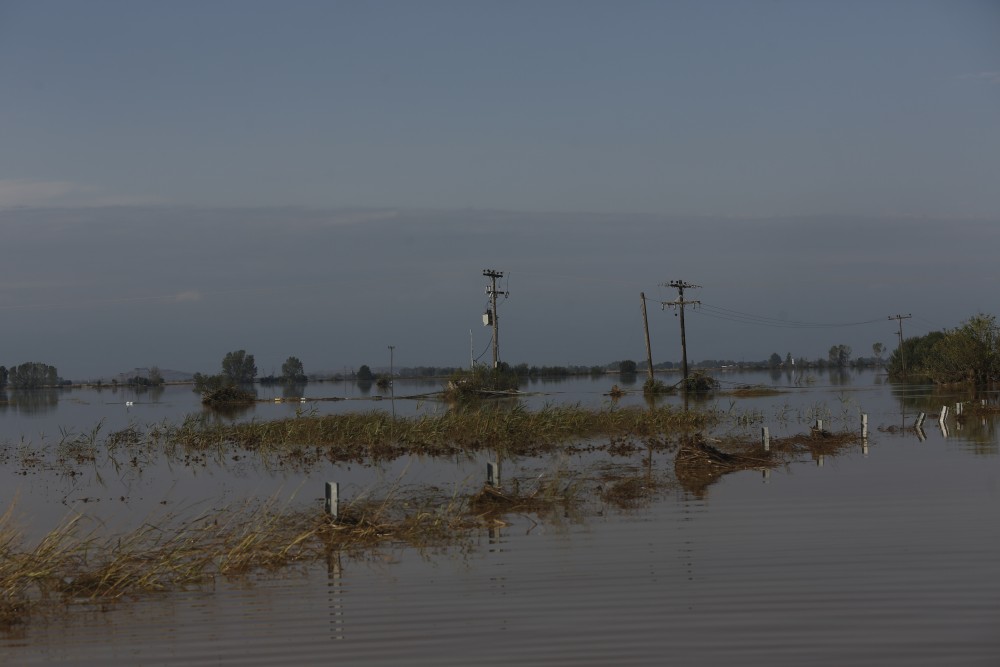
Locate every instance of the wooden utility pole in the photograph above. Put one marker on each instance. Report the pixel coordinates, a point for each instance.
(680, 285)
(902, 352)
(491, 290)
(645, 328)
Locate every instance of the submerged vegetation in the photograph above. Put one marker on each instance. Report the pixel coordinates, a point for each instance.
(481, 381)
(380, 436)
(228, 396)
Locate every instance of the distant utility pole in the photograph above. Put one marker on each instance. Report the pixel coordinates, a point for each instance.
(902, 353)
(491, 315)
(645, 328)
(680, 285)
(392, 382)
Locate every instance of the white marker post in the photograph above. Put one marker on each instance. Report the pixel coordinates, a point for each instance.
(332, 499)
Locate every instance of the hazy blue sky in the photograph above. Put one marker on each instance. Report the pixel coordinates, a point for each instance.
(180, 179)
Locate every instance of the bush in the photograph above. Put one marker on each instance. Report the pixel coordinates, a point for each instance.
(230, 395)
(481, 380)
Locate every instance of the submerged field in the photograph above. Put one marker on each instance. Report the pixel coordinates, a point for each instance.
(121, 516)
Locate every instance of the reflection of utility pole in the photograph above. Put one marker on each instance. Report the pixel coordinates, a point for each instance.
(491, 315)
(902, 353)
(680, 303)
(645, 328)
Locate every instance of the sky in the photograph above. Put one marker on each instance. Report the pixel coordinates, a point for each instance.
(325, 179)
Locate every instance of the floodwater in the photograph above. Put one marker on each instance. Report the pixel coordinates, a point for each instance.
(882, 555)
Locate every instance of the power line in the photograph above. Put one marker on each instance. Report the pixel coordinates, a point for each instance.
(761, 320)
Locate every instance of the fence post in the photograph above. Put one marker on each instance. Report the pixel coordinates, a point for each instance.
(765, 438)
(493, 474)
(332, 499)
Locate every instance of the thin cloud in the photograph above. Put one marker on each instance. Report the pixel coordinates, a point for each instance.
(190, 295)
(26, 193)
(19, 192)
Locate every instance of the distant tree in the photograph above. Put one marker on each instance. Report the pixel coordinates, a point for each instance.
(3, 376)
(626, 367)
(292, 371)
(32, 374)
(878, 349)
(788, 360)
(839, 356)
(203, 383)
(155, 376)
(365, 373)
(775, 360)
(239, 368)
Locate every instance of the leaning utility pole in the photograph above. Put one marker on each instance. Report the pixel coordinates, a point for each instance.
(902, 353)
(491, 315)
(645, 328)
(680, 285)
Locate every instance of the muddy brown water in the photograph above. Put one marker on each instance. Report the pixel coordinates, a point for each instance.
(884, 555)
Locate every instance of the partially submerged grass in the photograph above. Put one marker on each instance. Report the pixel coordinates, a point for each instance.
(363, 437)
(72, 565)
(751, 391)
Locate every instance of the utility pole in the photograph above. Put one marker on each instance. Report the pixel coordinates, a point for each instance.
(491, 290)
(680, 285)
(902, 353)
(645, 328)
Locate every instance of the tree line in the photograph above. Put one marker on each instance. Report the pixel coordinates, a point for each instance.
(30, 375)
(969, 353)
(240, 368)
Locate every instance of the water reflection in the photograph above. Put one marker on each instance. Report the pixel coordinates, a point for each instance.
(335, 593)
(628, 379)
(296, 390)
(30, 401)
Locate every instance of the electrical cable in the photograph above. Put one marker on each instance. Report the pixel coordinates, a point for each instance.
(721, 313)
(488, 345)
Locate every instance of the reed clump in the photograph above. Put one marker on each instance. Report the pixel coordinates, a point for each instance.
(699, 464)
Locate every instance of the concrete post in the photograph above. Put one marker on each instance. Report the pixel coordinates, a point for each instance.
(332, 499)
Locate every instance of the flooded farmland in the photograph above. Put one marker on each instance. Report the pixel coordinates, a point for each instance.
(829, 549)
